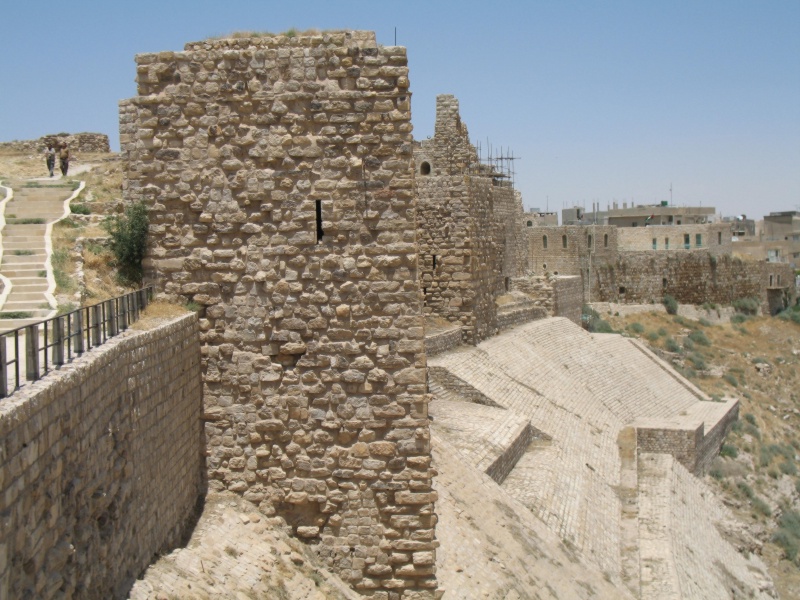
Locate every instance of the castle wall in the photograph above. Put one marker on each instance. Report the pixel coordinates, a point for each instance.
(511, 240)
(568, 298)
(456, 261)
(585, 246)
(470, 224)
(101, 466)
(694, 277)
(279, 176)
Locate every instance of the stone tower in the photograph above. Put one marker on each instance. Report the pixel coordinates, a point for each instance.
(279, 176)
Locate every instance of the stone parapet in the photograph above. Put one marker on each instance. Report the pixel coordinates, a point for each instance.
(436, 343)
(101, 465)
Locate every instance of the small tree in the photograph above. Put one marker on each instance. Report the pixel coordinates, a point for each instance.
(671, 305)
(129, 241)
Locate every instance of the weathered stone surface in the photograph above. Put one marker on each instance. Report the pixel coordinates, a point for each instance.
(95, 479)
(300, 194)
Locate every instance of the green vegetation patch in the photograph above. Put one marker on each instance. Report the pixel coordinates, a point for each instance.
(129, 241)
(747, 306)
(16, 314)
(788, 534)
(671, 304)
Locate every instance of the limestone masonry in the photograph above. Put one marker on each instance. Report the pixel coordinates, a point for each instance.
(101, 466)
(279, 176)
(289, 200)
(78, 142)
(471, 240)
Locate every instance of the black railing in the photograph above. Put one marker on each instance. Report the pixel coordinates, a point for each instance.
(52, 342)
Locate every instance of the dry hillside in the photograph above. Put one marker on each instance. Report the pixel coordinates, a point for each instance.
(754, 359)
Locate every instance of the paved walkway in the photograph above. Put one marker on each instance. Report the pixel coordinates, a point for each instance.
(28, 210)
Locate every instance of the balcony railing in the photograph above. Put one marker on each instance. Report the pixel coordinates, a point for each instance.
(50, 343)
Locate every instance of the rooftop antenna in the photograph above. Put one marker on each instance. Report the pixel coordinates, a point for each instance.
(395, 36)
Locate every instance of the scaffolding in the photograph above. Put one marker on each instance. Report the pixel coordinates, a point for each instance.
(500, 165)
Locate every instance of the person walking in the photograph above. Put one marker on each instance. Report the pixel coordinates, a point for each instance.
(63, 158)
(50, 158)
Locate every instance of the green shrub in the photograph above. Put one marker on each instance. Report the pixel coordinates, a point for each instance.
(761, 506)
(671, 345)
(698, 337)
(746, 490)
(698, 361)
(670, 304)
(60, 262)
(662, 332)
(129, 241)
(636, 327)
(739, 318)
(729, 451)
(731, 379)
(747, 306)
(683, 321)
(704, 322)
(788, 468)
(688, 344)
(652, 336)
(80, 209)
(788, 534)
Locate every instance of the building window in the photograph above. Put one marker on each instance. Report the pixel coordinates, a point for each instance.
(563, 241)
(664, 282)
(544, 242)
(666, 243)
(719, 238)
(687, 241)
(698, 239)
(655, 244)
(589, 241)
(634, 224)
(779, 280)
(425, 168)
(530, 223)
(770, 280)
(621, 291)
(605, 240)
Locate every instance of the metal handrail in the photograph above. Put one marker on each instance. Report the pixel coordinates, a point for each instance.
(68, 335)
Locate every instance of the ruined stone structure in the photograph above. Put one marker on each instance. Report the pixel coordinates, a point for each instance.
(279, 176)
(78, 142)
(469, 219)
(101, 466)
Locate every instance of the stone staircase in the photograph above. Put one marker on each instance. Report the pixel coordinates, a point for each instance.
(27, 275)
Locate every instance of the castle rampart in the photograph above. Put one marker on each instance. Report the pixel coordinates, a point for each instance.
(102, 466)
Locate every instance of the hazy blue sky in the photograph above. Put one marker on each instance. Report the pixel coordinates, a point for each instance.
(601, 100)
